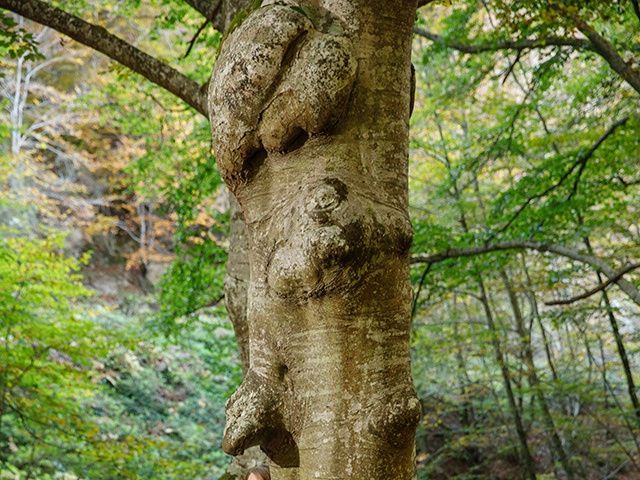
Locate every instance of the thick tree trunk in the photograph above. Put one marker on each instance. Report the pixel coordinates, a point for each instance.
(309, 108)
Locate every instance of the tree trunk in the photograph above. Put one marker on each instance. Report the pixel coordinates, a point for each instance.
(556, 446)
(622, 351)
(528, 464)
(536, 314)
(468, 415)
(309, 108)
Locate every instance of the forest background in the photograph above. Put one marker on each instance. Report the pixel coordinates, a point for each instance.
(116, 355)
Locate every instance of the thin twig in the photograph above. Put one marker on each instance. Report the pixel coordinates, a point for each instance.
(414, 307)
(208, 18)
(195, 37)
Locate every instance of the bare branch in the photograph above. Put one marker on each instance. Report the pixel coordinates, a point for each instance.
(596, 289)
(596, 263)
(525, 44)
(103, 41)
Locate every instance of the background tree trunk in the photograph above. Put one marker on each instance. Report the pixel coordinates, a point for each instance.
(309, 108)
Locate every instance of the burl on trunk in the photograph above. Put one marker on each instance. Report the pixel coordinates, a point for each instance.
(309, 105)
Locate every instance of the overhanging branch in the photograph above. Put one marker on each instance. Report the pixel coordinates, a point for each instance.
(598, 288)
(103, 41)
(594, 41)
(524, 44)
(607, 51)
(596, 263)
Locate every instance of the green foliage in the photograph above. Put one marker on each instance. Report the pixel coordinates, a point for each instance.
(171, 394)
(518, 145)
(77, 399)
(49, 344)
(97, 393)
(15, 41)
(193, 281)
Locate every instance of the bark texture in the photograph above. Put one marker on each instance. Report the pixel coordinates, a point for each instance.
(310, 106)
(236, 281)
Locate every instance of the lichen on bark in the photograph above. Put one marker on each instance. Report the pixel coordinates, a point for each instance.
(309, 105)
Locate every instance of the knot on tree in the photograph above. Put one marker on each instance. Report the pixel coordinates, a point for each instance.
(330, 236)
(255, 417)
(397, 420)
(283, 75)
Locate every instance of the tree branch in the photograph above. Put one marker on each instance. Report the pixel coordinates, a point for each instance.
(606, 50)
(627, 183)
(580, 162)
(208, 18)
(218, 12)
(194, 39)
(596, 289)
(524, 44)
(414, 306)
(585, 158)
(103, 41)
(594, 41)
(598, 264)
(205, 7)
